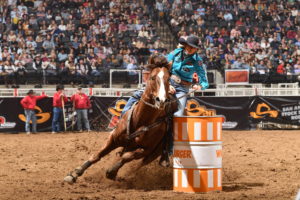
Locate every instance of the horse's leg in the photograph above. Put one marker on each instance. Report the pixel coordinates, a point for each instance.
(150, 157)
(108, 147)
(127, 157)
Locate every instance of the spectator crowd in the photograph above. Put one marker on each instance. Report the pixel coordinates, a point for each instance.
(260, 35)
(72, 40)
(75, 41)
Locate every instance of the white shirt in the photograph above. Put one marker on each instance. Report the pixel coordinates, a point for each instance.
(20, 8)
(159, 6)
(9, 68)
(12, 2)
(62, 27)
(228, 17)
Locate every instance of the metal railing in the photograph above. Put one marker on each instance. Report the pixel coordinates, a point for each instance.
(111, 71)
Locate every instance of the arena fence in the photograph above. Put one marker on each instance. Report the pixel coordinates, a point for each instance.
(239, 113)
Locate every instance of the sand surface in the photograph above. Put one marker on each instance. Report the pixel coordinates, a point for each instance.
(256, 165)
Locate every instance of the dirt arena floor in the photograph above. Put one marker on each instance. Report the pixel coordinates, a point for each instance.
(256, 165)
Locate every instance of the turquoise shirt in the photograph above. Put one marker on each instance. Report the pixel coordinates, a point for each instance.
(186, 68)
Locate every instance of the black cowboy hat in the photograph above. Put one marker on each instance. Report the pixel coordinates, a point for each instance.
(30, 92)
(192, 41)
(59, 87)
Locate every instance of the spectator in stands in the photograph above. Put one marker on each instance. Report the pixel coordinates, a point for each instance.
(95, 71)
(281, 67)
(59, 99)
(82, 70)
(81, 103)
(29, 103)
(20, 72)
(297, 67)
(50, 67)
(10, 70)
(261, 68)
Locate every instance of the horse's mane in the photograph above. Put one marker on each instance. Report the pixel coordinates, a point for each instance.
(157, 61)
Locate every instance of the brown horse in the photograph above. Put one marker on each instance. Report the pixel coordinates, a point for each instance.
(149, 112)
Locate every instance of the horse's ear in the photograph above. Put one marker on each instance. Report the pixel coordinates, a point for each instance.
(151, 59)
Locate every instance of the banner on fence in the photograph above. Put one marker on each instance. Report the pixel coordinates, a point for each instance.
(240, 113)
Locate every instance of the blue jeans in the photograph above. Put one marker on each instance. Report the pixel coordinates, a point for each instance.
(30, 116)
(56, 119)
(136, 96)
(180, 91)
(95, 73)
(82, 116)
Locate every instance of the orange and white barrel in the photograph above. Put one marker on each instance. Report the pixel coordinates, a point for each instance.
(197, 158)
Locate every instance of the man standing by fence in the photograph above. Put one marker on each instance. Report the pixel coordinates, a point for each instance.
(29, 103)
(59, 99)
(82, 103)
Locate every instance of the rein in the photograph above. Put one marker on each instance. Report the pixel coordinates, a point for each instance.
(147, 128)
(143, 129)
(149, 104)
(169, 102)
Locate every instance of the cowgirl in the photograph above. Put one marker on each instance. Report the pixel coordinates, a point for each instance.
(185, 61)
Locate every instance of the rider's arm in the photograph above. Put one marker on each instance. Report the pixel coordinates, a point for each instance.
(201, 72)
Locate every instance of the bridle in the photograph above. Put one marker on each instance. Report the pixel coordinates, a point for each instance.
(167, 102)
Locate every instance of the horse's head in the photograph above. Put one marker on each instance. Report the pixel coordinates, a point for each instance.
(158, 83)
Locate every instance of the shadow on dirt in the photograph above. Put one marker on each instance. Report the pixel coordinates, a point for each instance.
(231, 187)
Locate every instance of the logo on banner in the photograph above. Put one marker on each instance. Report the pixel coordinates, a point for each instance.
(41, 117)
(263, 110)
(193, 108)
(116, 112)
(4, 124)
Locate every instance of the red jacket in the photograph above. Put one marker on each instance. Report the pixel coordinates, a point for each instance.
(280, 69)
(57, 102)
(81, 101)
(29, 102)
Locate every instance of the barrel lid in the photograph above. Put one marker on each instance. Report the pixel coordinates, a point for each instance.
(187, 143)
(216, 116)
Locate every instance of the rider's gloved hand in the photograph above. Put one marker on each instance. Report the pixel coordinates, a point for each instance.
(172, 89)
(196, 87)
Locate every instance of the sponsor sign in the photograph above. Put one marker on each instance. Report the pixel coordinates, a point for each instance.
(291, 112)
(240, 76)
(6, 125)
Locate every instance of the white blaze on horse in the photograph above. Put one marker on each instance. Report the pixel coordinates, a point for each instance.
(143, 129)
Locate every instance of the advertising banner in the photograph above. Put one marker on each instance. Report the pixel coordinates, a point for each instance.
(239, 113)
(237, 76)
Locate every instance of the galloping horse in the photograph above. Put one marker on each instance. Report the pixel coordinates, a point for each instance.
(141, 131)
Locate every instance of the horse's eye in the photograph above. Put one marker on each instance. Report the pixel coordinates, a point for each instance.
(152, 78)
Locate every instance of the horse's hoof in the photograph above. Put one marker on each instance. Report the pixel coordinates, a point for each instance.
(70, 179)
(164, 162)
(111, 174)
